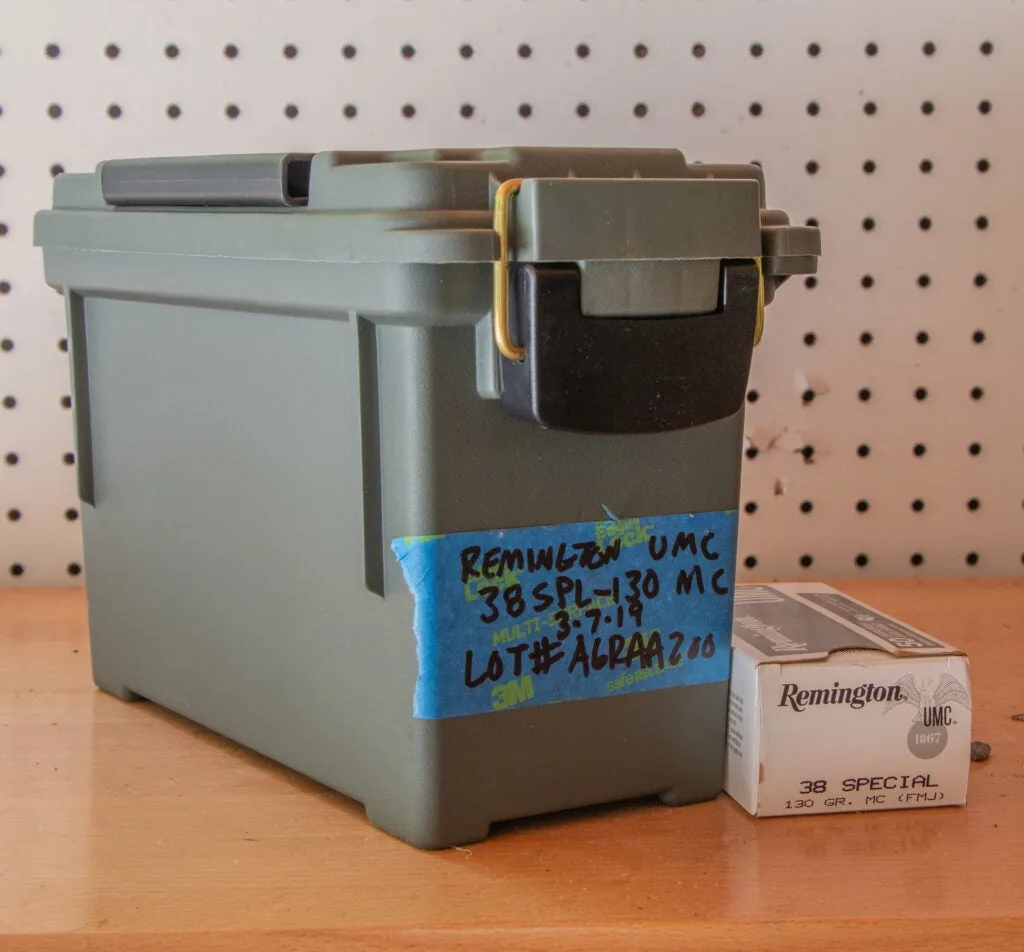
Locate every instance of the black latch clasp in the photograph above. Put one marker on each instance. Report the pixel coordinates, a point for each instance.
(626, 374)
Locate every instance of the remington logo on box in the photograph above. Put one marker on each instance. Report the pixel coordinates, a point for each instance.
(800, 700)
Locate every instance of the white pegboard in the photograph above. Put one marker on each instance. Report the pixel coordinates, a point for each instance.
(929, 93)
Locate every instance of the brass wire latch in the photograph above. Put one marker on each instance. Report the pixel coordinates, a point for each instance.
(502, 332)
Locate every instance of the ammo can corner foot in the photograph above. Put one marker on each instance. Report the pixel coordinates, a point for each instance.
(684, 795)
(461, 831)
(115, 687)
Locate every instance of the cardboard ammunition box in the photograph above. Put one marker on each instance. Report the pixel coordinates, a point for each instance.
(836, 707)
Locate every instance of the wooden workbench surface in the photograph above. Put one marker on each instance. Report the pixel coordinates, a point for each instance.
(124, 827)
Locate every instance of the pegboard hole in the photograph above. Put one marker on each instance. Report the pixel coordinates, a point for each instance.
(810, 339)
(52, 50)
(923, 280)
(65, 402)
(756, 109)
(927, 107)
(867, 282)
(17, 569)
(750, 508)
(917, 505)
(10, 402)
(13, 515)
(920, 449)
(917, 559)
(756, 50)
(525, 110)
(750, 561)
(861, 560)
(112, 51)
(984, 107)
(971, 558)
(807, 506)
(466, 51)
(977, 393)
(114, 111)
(922, 337)
(808, 396)
(814, 49)
(807, 452)
(752, 452)
(56, 169)
(582, 50)
(6, 345)
(466, 110)
(525, 51)
(408, 110)
(698, 109)
(173, 111)
(641, 50)
(926, 166)
(582, 110)
(986, 48)
(871, 49)
(813, 108)
(3, 229)
(868, 224)
(348, 51)
(924, 223)
(54, 110)
(640, 110)
(350, 111)
(870, 108)
(408, 51)
(171, 51)
(74, 568)
(869, 167)
(231, 51)
(974, 449)
(981, 223)
(68, 459)
(699, 50)
(973, 504)
(980, 280)
(11, 459)
(978, 337)
(863, 450)
(983, 165)
(812, 167)
(864, 394)
(862, 505)
(62, 345)
(928, 49)
(232, 111)
(806, 561)
(71, 515)
(291, 110)
(866, 337)
(5, 287)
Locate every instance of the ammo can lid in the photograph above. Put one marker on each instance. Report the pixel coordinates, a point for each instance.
(435, 206)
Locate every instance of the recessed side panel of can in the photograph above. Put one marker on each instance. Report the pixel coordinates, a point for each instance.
(454, 463)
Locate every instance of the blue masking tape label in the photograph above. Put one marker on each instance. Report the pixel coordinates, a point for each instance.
(518, 617)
